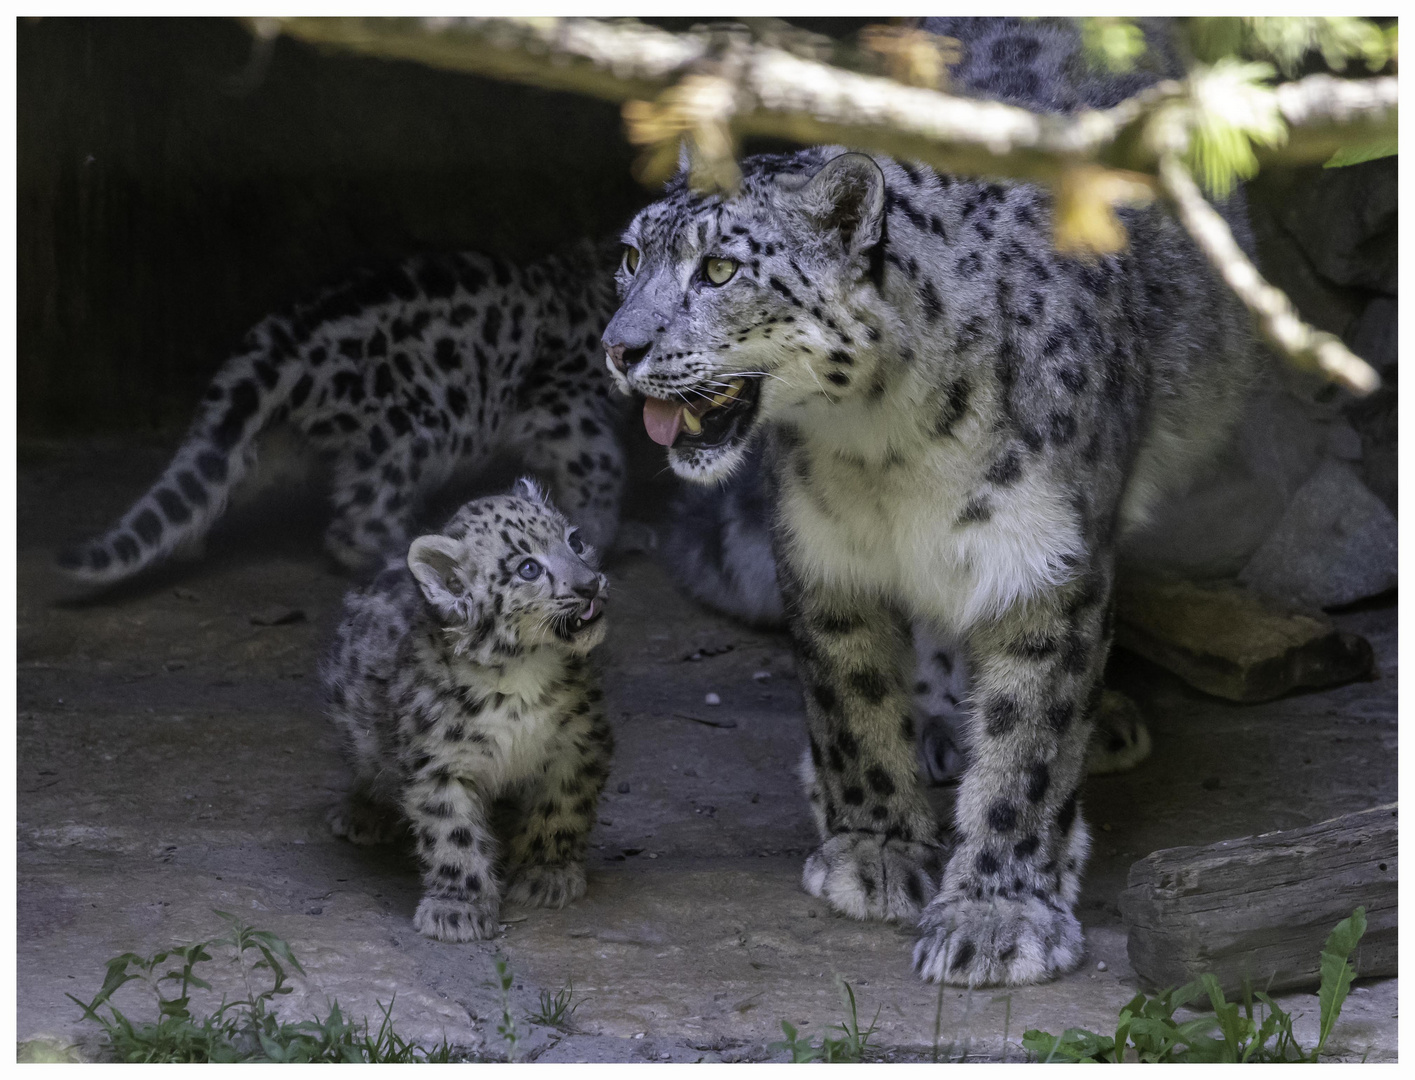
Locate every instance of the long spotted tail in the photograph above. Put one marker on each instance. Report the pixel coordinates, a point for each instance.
(253, 388)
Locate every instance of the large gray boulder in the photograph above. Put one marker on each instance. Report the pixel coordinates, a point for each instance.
(1335, 544)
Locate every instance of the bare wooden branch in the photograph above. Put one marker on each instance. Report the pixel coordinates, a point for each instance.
(1278, 320)
(784, 95)
(1260, 908)
(717, 86)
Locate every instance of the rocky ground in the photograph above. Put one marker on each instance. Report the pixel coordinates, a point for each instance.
(172, 760)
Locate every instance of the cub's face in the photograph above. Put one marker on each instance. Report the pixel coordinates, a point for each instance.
(508, 573)
(732, 311)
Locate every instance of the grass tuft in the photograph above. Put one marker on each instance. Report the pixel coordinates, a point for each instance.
(243, 1030)
(1231, 1034)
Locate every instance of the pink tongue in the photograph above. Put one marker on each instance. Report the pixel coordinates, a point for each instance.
(662, 420)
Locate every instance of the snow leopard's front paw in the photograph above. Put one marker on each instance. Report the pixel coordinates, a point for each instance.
(547, 886)
(450, 918)
(867, 876)
(996, 941)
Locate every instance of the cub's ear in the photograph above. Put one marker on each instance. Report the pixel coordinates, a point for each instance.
(527, 488)
(436, 564)
(847, 196)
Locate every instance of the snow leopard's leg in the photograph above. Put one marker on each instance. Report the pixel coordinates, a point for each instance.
(378, 490)
(457, 850)
(1003, 915)
(574, 448)
(546, 853)
(879, 856)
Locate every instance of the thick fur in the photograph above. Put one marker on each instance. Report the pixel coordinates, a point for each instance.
(959, 422)
(470, 713)
(398, 378)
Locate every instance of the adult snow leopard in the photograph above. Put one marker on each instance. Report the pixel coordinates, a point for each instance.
(460, 683)
(399, 377)
(958, 422)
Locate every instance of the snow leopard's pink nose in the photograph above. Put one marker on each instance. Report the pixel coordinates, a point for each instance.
(623, 358)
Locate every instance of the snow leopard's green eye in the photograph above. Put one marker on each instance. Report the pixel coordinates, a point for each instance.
(719, 271)
(631, 258)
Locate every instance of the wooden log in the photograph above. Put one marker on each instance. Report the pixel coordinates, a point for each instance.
(1262, 906)
(1229, 642)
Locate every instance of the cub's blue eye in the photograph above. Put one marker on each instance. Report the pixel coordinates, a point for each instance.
(530, 569)
(576, 544)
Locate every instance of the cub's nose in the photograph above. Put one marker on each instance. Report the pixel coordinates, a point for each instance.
(586, 590)
(623, 357)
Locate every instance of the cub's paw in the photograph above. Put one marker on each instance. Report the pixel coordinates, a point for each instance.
(943, 748)
(998, 941)
(547, 886)
(1121, 740)
(448, 918)
(363, 822)
(868, 877)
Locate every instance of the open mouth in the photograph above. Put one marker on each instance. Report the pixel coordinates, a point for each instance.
(588, 614)
(710, 421)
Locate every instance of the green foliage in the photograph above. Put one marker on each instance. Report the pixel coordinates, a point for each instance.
(1287, 41)
(555, 1009)
(1148, 1032)
(851, 1046)
(1111, 43)
(1354, 155)
(240, 1030)
(506, 1027)
(1232, 109)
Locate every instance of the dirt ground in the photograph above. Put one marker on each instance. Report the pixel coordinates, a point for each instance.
(172, 760)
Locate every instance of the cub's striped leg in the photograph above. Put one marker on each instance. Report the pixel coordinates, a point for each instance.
(879, 856)
(546, 852)
(461, 894)
(1003, 915)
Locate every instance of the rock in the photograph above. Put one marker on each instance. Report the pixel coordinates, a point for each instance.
(1213, 529)
(1335, 544)
(1282, 260)
(1345, 222)
(1374, 336)
(1261, 907)
(1225, 641)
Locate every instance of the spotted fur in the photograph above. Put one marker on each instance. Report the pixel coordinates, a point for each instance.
(959, 423)
(470, 714)
(717, 546)
(398, 378)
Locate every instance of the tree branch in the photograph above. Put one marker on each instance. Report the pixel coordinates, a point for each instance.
(719, 85)
(1304, 345)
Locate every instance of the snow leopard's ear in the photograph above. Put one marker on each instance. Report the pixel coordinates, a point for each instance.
(527, 488)
(847, 196)
(436, 563)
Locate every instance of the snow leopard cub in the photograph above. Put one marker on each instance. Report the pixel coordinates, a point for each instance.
(461, 684)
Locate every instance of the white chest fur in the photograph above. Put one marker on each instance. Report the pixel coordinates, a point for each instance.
(897, 528)
(510, 736)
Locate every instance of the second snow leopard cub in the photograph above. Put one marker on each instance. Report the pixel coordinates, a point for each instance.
(461, 684)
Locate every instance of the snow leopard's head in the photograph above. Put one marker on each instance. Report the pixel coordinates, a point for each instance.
(740, 311)
(509, 573)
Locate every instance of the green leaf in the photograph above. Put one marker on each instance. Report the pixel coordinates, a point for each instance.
(1354, 155)
(1337, 973)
